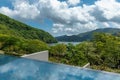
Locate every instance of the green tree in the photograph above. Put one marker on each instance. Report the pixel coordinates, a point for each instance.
(59, 49)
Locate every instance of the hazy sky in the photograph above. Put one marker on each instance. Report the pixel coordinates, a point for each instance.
(60, 17)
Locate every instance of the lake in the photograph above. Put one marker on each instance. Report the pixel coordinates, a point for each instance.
(74, 43)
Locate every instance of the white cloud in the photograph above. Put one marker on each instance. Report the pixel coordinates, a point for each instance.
(67, 16)
(26, 10)
(58, 28)
(106, 24)
(110, 9)
(115, 25)
(22, 9)
(73, 2)
(107, 10)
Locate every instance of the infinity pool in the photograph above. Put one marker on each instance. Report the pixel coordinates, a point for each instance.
(27, 69)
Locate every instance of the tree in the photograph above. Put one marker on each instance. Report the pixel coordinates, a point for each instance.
(59, 49)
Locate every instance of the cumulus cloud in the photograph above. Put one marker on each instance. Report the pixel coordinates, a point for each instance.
(22, 9)
(108, 11)
(73, 2)
(68, 16)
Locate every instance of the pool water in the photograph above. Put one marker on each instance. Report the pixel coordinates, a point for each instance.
(6, 58)
(27, 69)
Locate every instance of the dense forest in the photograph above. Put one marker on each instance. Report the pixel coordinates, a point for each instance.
(12, 27)
(102, 52)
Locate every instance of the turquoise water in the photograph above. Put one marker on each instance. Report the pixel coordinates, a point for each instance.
(27, 69)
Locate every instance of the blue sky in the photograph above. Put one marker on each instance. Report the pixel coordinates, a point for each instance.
(60, 17)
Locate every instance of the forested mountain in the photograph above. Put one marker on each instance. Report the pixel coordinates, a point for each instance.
(9, 26)
(88, 35)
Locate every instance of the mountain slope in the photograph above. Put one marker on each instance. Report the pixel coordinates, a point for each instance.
(88, 35)
(10, 26)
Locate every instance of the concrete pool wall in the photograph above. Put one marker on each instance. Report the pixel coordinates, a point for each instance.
(42, 56)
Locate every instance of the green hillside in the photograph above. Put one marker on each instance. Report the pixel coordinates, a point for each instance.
(102, 52)
(12, 27)
(88, 35)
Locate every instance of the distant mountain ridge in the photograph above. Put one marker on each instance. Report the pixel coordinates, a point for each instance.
(87, 35)
(12, 27)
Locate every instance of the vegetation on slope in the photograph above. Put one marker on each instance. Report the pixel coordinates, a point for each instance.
(103, 53)
(68, 54)
(17, 38)
(10, 26)
(19, 46)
